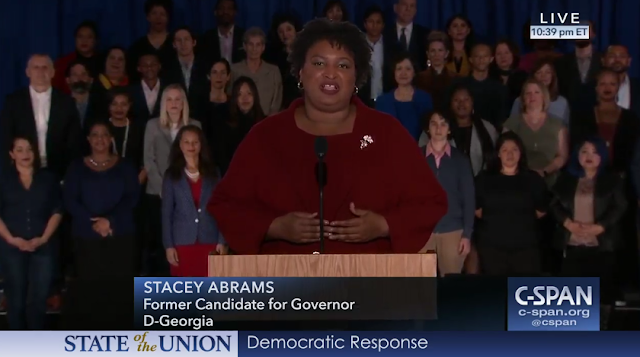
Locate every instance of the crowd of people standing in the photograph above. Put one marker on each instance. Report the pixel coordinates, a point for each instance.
(143, 161)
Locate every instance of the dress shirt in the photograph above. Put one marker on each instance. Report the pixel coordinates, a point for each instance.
(624, 93)
(82, 109)
(226, 44)
(438, 155)
(41, 104)
(377, 61)
(186, 72)
(174, 131)
(26, 212)
(407, 32)
(151, 95)
(583, 67)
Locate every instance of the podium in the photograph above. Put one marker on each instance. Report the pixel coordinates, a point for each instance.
(324, 265)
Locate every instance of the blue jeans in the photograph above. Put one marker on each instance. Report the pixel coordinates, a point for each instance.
(27, 283)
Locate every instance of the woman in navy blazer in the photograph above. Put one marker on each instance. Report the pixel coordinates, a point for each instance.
(189, 232)
(406, 103)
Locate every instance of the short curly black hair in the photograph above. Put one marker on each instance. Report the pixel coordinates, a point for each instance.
(342, 34)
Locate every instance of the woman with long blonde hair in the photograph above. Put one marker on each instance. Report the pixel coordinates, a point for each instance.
(158, 139)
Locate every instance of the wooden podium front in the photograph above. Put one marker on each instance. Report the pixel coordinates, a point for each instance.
(324, 265)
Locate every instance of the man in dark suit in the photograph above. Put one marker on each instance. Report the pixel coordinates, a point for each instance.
(577, 71)
(49, 118)
(617, 58)
(224, 41)
(383, 49)
(44, 114)
(188, 70)
(90, 107)
(408, 35)
(147, 92)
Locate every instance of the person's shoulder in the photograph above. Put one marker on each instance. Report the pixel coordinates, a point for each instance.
(76, 165)
(153, 123)
(62, 96)
(490, 127)
(611, 178)
(457, 155)
(386, 97)
(533, 177)
(126, 166)
(512, 121)
(64, 60)
(48, 177)
(383, 122)
(195, 122)
(271, 66)
(20, 93)
(555, 121)
(275, 124)
(562, 100)
(422, 94)
(422, 29)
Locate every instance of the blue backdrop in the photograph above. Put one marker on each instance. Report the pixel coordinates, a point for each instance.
(29, 26)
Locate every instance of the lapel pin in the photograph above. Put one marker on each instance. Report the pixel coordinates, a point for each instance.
(365, 141)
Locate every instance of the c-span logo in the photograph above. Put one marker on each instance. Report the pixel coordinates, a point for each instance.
(554, 304)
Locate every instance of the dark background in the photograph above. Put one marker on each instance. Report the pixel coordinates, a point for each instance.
(46, 26)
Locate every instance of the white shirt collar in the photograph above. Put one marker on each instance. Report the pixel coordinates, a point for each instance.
(229, 34)
(146, 86)
(45, 94)
(379, 42)
(625, 82)
(407, 28)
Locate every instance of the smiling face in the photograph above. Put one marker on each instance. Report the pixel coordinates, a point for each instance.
(99, 139)
(462, 104)
(328, 76)
(190, 144)
(115, 64)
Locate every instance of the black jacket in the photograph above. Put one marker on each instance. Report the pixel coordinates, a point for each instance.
(609, 204)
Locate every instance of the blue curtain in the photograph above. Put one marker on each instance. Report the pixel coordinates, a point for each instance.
(46, 26)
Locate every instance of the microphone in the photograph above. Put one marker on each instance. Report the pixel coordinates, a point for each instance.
(320, 148)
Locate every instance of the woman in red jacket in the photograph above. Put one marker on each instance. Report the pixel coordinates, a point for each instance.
(380, 195)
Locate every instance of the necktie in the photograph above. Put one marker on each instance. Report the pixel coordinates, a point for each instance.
(403, 39)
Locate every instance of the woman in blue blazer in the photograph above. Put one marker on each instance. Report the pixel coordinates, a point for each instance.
(406, 102)
(189, 232)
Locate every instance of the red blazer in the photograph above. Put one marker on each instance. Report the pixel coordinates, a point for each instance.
(61, 64)
(273, 173)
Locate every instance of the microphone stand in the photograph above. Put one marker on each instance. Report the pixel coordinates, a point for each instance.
(321, 183)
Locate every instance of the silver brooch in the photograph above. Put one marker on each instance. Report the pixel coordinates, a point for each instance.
(365, 141)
